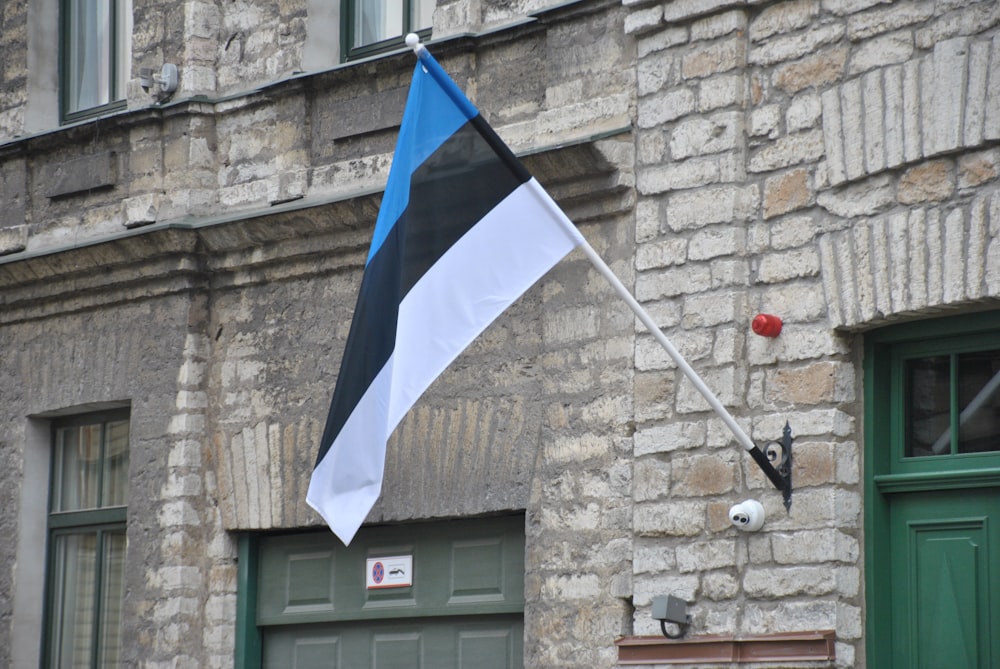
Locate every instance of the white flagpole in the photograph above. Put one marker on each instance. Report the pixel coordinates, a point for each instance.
(674, 354)
(650, 324)
(783, 483)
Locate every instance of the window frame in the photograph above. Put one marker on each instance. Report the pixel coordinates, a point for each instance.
(117, 65)
(950, 347)
(886, 351)
(349, 52)
(101, 522)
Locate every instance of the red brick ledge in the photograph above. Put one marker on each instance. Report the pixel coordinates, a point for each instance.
(789, 647)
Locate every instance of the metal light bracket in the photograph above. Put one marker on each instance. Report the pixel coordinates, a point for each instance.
(776, 463)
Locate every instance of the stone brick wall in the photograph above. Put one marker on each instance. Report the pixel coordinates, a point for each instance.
(201, 260)
(834, 162)
(87, 342)
(287, 140)
(913, 261)
(14, 72)
(831, 162)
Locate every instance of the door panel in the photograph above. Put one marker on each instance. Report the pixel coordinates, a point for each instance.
(482, 648)
(466, 567)
(315, 653)
(397, 651)
(443, 643)
(945, 547)
(932, 493)
(461, 608)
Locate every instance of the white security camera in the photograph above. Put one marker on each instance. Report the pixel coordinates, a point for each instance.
(747, 516)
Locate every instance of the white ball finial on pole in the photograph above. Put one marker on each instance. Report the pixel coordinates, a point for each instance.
(413, 41)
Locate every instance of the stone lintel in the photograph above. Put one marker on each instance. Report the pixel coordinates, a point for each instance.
(79, 175)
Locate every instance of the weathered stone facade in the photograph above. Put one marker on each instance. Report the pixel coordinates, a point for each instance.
(834, 162)
(814, 160)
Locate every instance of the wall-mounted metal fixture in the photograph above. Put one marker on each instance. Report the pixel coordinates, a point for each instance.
(166, 80)
(776, 463)
(670, 609)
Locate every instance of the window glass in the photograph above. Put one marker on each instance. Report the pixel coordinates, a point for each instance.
(89, 55)
(949, 394)
(76, 588)
(979, 402)
(78, 462)
(114, 484)
(91, 466)
(377, 20)
(87, 541)
(928, 406)
(112, 597)
(93, 54)
(421, 14)
(374, 26)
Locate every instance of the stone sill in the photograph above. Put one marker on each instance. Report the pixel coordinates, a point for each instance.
(783, 647)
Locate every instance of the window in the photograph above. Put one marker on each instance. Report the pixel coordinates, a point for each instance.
(952, 402)
(946, 411)
(375, 26)
(93, 57)
(86, 540)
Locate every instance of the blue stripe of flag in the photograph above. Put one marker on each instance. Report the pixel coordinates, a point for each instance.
(430, 118)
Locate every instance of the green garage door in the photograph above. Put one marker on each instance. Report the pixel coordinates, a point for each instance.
(448, 594)
(453, 642)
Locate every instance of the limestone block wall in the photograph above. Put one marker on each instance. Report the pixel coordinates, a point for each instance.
(221, 48)
(14, 74)
(913, 261)
(76, 339)
(224, 238)
(834, 162)
(249, 134)
(918, 109)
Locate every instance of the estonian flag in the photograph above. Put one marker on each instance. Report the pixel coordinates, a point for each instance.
(462, 232)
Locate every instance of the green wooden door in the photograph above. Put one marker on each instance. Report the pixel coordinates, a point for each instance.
(457, 600)
(932, 494)
(945, 584)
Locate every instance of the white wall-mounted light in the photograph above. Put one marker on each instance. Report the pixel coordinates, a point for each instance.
(166, 80)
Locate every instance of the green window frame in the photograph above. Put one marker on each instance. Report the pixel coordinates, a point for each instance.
(370, 27)
(88, 502)
(946, 353)
(92, 57)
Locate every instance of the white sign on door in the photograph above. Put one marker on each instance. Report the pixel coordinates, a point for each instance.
(389, 572)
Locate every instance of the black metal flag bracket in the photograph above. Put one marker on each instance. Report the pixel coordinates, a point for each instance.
(776, 463)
